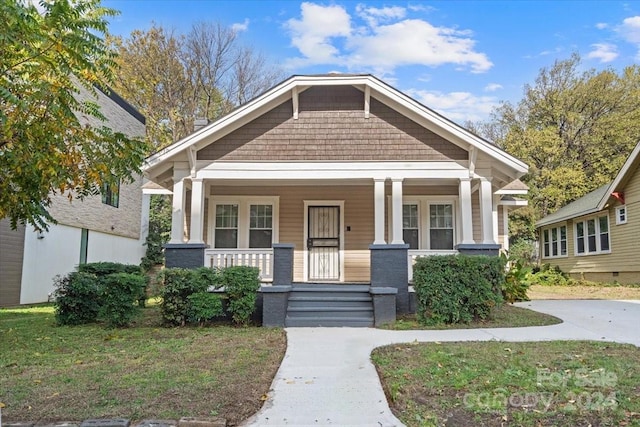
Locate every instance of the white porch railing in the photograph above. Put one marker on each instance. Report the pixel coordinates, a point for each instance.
(416, 253)
(261, 258)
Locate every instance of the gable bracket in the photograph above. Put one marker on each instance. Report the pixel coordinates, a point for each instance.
(191, 154)
(473, 157)
(294, 99)
(367, 101)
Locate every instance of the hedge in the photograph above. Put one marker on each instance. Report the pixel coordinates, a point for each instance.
(457, 288)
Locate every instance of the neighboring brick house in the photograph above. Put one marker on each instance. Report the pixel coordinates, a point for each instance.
(596, 236)
(338, 166)
(107, 227)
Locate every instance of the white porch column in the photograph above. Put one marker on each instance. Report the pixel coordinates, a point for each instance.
(396, 209)
(197, 210)
(505, 227)
(486, 211)
(177, 211)
(494, 211)
(466, 214)
(379, 211)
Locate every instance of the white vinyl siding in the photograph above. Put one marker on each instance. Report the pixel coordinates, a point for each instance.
(554, 242)
(592, 236)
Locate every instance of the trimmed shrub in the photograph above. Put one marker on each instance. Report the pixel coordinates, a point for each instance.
(103, 268)
(204, 307)
(179, 284)
(119, 293)
(550, 276)
(241, 285)
(76, 298)
(457, 288)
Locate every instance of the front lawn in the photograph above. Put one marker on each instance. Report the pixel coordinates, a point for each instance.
(51, 373)
(593, 291)
(502, 384)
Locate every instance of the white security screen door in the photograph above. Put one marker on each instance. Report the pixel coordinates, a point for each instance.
(323, 243)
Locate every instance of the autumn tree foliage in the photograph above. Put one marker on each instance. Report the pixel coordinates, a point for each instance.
(175, 78)
(574, 128)
(45, 148)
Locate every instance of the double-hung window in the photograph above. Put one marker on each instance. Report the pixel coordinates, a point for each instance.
(554, 242)
(592, 236)
(441, 226)
(260, 226)
(226, 231)
(410, 229)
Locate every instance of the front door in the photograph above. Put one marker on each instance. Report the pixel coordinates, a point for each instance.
(323, 243)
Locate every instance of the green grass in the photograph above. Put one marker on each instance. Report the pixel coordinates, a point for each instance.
(512, 384)
(503, 316)
(52, 373)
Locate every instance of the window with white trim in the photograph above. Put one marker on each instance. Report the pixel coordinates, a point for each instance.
(410, 229)
(592, 236)
(226, 231)
(243, 222)
(441, 226)
(260, 226)
(554, 242)
(621, 215)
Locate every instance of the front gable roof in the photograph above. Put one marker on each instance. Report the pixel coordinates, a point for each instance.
(371, 87)
(599, 198)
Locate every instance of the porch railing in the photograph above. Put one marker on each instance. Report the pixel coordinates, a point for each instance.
(261, 258)
(416, 253)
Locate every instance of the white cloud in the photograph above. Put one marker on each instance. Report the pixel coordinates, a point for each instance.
(239, 27)
(604, 52)
(457, 106)
(492, 87)
(385, 40)
(374, 15)
(630, 29)
(420, 8)
(312, 33)
(602, 25)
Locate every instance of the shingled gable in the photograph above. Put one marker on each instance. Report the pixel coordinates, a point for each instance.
(323, 123)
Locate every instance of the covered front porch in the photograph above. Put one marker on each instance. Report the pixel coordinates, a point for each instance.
(232, 214)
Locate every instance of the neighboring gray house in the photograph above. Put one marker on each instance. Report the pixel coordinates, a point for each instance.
(107, 227)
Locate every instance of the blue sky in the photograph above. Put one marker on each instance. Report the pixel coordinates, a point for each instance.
(460, 58)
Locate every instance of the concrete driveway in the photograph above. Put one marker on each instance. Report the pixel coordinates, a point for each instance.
(327, 378)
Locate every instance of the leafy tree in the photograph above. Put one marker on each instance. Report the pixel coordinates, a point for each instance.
(159, 230)
(51, 140)
(574, 128)
(176, 78)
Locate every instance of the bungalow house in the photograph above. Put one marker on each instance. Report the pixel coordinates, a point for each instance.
(107, 227)
(350, 176)
(596, 236)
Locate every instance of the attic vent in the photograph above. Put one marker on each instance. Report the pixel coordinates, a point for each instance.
(199, 124)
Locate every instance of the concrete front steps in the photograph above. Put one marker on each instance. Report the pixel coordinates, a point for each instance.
(321, 304)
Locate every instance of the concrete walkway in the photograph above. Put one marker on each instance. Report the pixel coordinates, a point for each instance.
(327, 378)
